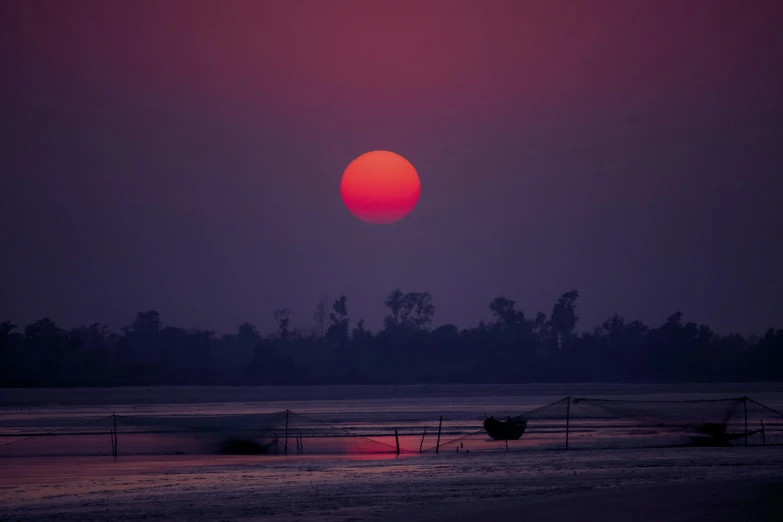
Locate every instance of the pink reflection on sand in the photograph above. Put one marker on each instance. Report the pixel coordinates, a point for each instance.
(51, 470)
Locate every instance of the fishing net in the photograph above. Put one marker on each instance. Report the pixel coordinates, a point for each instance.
(582, 423)
(50, 437)
(280, 433)
(572, 423)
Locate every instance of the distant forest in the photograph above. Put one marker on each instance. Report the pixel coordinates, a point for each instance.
(511, 348)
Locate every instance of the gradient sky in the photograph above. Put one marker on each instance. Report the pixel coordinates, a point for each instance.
(186, 156)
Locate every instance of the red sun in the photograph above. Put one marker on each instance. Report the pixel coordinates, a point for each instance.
(380, 187)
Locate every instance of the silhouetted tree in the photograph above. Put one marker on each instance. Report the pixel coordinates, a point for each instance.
(248, 334)
(360, 334)
(6, 327)
(395, 303)
(282, 318)
(410, 311)
(97, 354)
(146, 323)
(563, 319)
(7, 359)
(49, 347)
(421, 309)
(141, 345)
(232, 353)
(446, 332)
(506, 315)
(509, 349)
(319, 315)
(338, 330)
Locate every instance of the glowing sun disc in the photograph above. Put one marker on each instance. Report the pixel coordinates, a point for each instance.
(380, 187)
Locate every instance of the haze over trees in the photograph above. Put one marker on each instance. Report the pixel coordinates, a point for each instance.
(409, 349)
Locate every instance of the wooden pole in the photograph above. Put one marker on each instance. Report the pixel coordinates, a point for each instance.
(437, 444)
(397, 440)
(568, 418)
(422, 438)
(116, 448)
(763, 435)
(285, 446)
(745, 400)
(111, 434)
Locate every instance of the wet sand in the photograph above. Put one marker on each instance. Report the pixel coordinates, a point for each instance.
(713, 501)
(639, 485)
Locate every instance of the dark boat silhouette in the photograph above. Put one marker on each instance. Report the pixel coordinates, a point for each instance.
(246, 447)
(505, 430)
(715, 434)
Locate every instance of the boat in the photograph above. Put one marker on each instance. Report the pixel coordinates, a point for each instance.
(715, 434)
(246, 447)
(505, 430)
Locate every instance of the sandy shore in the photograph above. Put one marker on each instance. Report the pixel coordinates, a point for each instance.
(640, 485)
(713, 501)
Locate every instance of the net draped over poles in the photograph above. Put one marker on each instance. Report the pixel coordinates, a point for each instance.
(569, 423)
(583, 423)
(279, 433)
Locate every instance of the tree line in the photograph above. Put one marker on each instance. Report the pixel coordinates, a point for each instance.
(510, 348)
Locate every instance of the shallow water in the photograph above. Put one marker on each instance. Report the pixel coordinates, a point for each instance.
(156, 419)
(345, 487)
(316, 488)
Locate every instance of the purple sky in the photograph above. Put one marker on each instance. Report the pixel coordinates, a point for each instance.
(186, 156)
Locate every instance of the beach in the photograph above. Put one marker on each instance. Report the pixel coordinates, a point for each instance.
(735, 483)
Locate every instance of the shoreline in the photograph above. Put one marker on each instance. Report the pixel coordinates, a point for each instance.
(140, 395)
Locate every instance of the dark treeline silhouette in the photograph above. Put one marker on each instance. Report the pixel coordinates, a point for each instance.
(510, 348)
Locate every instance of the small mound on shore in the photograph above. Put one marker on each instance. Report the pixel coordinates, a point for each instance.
(243, 447)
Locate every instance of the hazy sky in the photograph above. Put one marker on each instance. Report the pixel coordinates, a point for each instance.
(186, 156)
